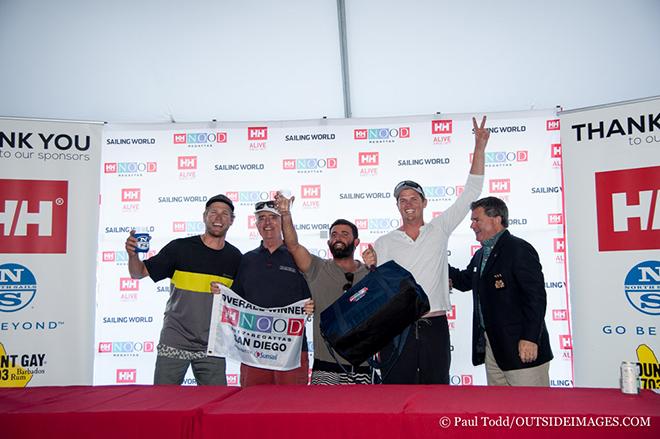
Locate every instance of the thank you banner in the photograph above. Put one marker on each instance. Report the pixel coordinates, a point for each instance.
(269, 338)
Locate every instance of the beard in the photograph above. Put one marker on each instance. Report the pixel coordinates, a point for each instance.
(341, 253)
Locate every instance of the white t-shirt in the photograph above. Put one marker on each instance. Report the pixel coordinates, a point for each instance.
(426, 257)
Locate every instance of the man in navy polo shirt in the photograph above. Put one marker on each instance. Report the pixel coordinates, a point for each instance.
(268, 277)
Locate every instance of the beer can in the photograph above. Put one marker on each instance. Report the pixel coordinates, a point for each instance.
(629, 380)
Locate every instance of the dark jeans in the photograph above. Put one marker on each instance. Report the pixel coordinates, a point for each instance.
(208, 371)
(426, 355)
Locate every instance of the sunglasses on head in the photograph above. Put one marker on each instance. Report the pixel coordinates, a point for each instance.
(261, 204)
(349, 278)
(407, 183)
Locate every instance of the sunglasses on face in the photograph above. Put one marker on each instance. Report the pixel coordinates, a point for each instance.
(261, 204)
(349, 281)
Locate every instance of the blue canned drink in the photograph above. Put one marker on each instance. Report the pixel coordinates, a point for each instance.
(142, 242)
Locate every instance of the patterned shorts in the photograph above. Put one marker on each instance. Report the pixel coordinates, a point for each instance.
(322, 377)
(179, 354)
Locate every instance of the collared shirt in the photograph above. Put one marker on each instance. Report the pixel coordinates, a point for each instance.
(270, 280)
(488, 245)
(426, 257)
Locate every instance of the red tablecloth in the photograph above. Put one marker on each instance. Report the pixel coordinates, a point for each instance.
(106, 411)
(316, 412)
(431, 411)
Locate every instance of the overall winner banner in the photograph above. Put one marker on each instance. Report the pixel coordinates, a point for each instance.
(269, 338)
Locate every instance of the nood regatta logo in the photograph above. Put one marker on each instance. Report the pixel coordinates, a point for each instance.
(130, 169)
(310, 165)
(504, 158)
(125, 348)
(33, 216)
(642, 287)
(250, 197)
(200, 139)
(381, 135)
(18, 287)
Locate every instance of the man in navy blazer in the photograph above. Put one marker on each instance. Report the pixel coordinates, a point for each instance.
(508, 289)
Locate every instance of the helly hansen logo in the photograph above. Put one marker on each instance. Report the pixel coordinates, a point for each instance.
(555, 218)
(555, 150)
(33, 216)
(552, 125)
(257, 133)
(559, 314)
(187, 162)
(130, 195)
(628, 209)
(565, 342)
(128, 284)
(368, 158)
(499, 185)
(443, 126)
(126, 376)
(558, 245)
(310, 191)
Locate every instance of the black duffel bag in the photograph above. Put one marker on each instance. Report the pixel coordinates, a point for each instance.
(374, 311)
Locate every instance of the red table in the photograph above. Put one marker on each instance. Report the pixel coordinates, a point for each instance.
(162, 412)
(105, 411)
(430, 411)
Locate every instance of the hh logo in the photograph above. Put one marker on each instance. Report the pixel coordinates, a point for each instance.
(558, 245)
(33, 216)
(628, 209)
(257, 133)
(555, 150)
(368, 159)
(105, 347)
(552, 125)
(555, 218)
(559, 314)
(187, 162)
(108, 256)
(130, 195)
(126, 375)
(565, 342)
(110, 168)
(441, 126)
(361, 134)
(128, 284)
(451, 315)
(252, 221)
(499, 185)
(288, 164)
(362, 223)
(310, 191)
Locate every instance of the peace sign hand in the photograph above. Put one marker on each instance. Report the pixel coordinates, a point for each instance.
(481, 133)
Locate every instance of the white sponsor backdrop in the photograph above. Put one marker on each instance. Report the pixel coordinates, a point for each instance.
(49, 188)
(155, 178)
(612, 176)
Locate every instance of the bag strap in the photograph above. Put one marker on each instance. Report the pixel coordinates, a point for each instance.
(334, 357)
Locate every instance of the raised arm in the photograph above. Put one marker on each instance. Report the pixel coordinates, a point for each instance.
(481, 135)
(301, 256)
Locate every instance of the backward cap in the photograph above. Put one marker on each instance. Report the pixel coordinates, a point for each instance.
(222, 199)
